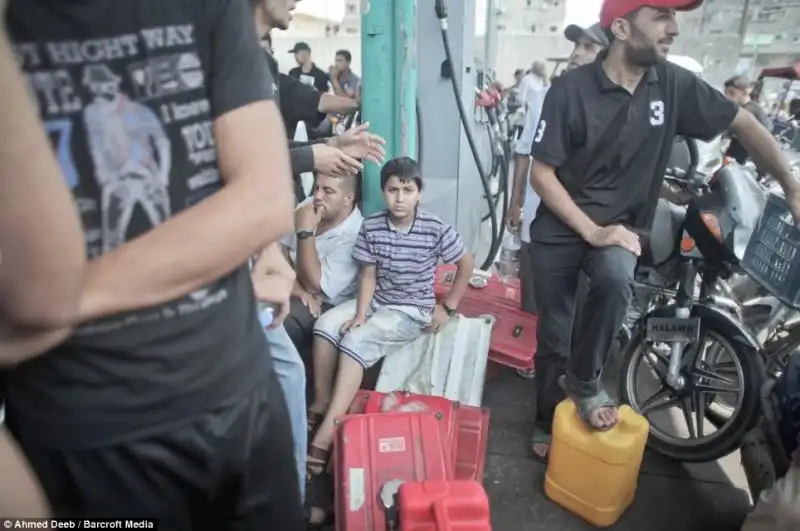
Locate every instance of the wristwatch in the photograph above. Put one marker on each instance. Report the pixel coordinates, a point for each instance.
(304, 234)
(450, 312)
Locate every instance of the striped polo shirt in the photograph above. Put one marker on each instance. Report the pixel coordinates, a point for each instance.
(406, 260)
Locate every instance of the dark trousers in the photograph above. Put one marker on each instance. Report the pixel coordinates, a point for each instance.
(300, 327)
(581, 354)
(526, 286)
(229, 470)
(528, 295)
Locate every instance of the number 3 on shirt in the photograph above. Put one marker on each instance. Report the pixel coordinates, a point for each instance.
(537, 137)
(656, 113)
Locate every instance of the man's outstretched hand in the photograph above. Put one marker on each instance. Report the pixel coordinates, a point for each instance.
(330, 160)
(359, 143)
(793, 201)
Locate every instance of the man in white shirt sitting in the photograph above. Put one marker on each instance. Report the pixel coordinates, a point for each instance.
(327, 226)
(324, 275)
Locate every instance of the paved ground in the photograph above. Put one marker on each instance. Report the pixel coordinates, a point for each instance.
(670, 496)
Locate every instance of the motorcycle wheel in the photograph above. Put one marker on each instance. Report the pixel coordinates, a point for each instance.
(727, 438)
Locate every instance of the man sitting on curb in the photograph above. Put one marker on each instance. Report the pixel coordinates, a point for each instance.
(327, 226)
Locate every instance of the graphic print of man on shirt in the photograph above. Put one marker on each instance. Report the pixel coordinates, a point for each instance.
(131, 155)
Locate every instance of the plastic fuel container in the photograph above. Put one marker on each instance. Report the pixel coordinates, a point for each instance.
(266, 313)
(508, 265)
(592, 473)
(443, 506)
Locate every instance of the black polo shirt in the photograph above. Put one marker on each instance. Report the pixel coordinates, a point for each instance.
(620, 182)
(297, 101)
(315, 77)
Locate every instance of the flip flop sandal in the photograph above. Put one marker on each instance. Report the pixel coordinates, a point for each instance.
(540, 437)
(588, 406)
(316, 462)
(313, 422)
(319, 495)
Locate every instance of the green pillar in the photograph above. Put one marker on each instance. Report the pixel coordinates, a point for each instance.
(389, 84)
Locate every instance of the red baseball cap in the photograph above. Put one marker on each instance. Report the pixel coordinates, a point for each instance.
(614, 9)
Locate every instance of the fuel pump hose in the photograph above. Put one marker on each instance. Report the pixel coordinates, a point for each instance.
(497, 227)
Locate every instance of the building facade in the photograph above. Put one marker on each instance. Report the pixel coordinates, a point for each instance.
(741, 36)
(541, 18)
(351, 23)
(527, 30)
(305, 26)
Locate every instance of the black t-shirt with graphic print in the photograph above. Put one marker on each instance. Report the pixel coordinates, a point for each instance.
(315, 77)
(128, 92)
(624, 185)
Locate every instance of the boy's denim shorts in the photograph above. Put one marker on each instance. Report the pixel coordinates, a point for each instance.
(387, 328)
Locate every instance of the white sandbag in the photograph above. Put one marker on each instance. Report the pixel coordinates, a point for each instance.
(451, 363)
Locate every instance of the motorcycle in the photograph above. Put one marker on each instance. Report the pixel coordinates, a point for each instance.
(689, 162)
(690, 338)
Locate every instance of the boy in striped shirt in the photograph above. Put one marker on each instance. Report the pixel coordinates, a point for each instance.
(398, 250)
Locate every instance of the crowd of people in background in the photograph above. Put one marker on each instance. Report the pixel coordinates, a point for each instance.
(338, 79)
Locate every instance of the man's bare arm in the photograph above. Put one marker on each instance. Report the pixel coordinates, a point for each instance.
(553, 194)
(341, 91)
(209, 240)
(332, 103)
(18, 344)
(309, 269)
(22, 496)
(765, 150)
(366, 289)
(464, 270)
(521, 164)
(337, 87)
(42, 252)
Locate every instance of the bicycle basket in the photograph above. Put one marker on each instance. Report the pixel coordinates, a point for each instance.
(772, 256)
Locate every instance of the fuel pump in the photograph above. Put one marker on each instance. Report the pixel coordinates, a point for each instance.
(464, 156)
(488, 99)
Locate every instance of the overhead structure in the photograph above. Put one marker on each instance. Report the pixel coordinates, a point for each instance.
(389, 83)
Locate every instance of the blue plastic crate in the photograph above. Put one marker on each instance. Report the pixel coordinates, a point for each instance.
(772, 256)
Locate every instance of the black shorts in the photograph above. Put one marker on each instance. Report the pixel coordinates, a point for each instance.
(232, 469)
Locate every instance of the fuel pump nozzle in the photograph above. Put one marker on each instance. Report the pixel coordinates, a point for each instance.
(441, 9)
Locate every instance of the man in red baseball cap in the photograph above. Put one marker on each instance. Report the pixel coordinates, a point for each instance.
(614, 9)
(600, 152)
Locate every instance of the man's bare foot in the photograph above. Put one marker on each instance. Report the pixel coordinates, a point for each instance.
(540, 445)
(603, 418)
(598, 412)
(541, 451)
